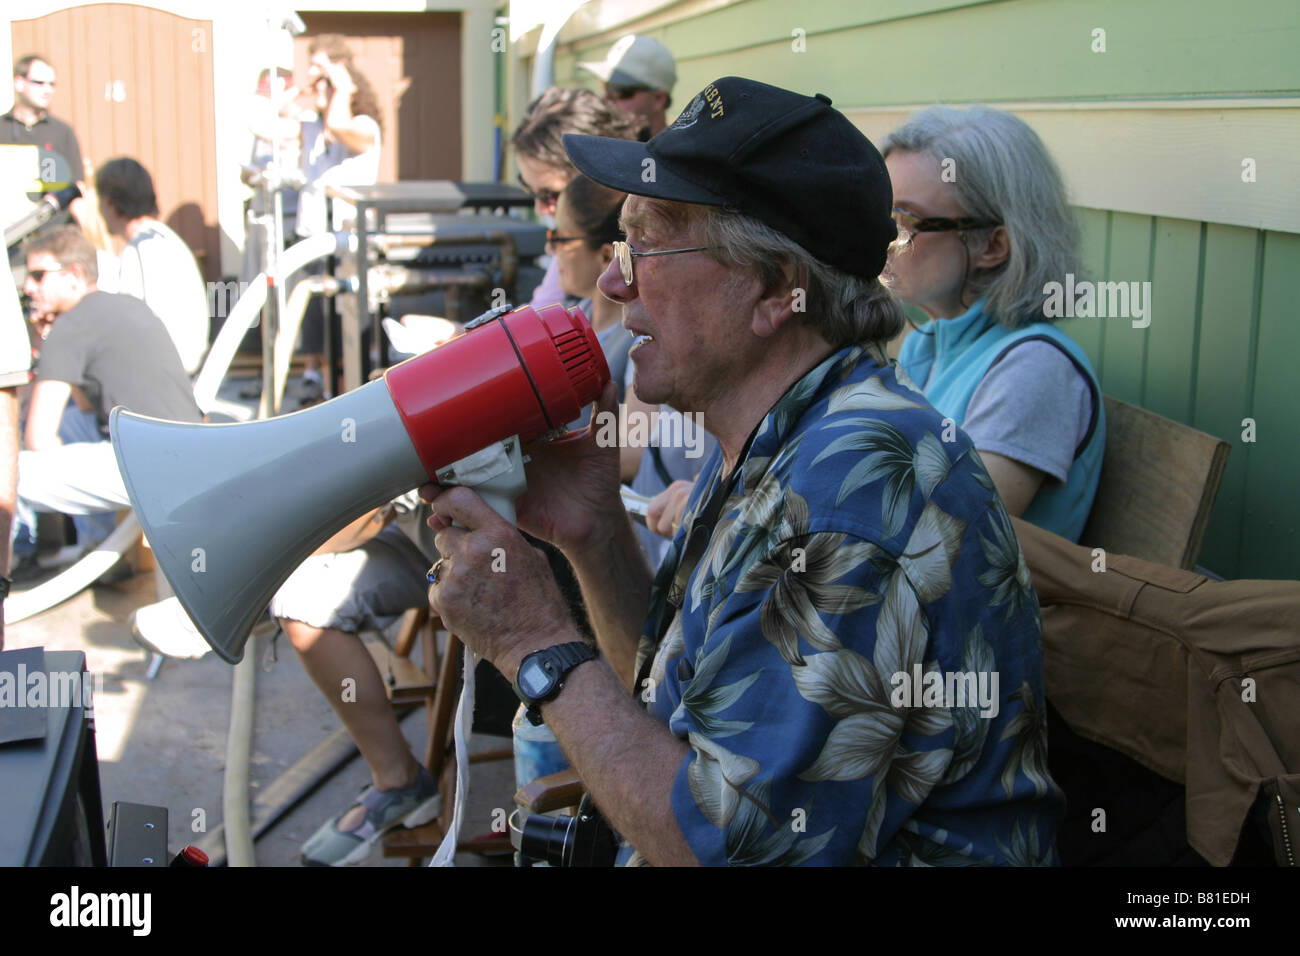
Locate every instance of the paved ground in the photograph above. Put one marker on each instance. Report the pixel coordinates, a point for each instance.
(163, 742)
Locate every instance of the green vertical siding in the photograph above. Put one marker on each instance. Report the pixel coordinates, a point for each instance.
(1270, 519)
(1223, 346)
(1125, 347)
(1171, 348)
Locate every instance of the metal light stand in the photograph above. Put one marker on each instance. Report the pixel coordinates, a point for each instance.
(271, 181)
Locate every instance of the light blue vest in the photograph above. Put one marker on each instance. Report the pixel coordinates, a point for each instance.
(949, 358)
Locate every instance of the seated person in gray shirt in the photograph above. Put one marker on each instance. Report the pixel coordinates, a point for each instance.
(103, 350)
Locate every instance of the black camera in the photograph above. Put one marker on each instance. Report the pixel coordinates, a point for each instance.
(582, 840)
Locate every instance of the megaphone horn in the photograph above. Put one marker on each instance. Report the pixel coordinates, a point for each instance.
(231, 510)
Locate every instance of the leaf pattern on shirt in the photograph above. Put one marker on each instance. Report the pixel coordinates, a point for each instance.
(970, 728)
(794, 402)
(916, 850)
(887, 455)
(799, 576)
(1025, 849)
(931, 551)
(905, 380)
(1028, 733)
(757, 838)
(671, 647)
(705, 701)
(1007, 576)
(866, 741)
(716, 777)
(869, 395)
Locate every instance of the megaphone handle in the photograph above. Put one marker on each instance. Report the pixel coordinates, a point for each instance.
(502, 504)
(504, 488)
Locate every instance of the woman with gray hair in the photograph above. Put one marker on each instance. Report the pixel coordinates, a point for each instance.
(984, 225)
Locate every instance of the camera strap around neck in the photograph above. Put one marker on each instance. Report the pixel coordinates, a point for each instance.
(697, 543)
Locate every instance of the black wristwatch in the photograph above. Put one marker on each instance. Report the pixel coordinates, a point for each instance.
(5, 585)
(542, 673)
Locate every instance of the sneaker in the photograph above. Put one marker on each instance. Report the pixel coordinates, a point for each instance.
(164, 628)
(411, 806)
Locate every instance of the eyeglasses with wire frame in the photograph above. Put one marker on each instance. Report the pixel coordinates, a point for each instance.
(910, 225)
(623, 252)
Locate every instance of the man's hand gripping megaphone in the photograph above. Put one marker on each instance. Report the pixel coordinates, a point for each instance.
(490, 586)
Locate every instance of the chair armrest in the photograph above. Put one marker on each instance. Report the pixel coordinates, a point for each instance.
(555, 791)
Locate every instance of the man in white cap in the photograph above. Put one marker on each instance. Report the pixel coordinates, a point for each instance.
(639, 74)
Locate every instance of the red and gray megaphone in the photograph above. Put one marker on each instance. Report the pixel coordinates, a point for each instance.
(231, 510)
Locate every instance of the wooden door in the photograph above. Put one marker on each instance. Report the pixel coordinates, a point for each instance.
(413, 62)
(137, 82)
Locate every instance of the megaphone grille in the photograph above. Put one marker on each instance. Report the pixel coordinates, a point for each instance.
(575, 354)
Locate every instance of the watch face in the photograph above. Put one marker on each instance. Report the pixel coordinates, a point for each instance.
(534, 678)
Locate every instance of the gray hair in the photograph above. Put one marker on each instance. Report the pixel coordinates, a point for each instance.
(1003, 173)
(844, 309)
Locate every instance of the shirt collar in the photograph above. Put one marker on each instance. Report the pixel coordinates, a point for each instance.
(782, 418)
(42, 117)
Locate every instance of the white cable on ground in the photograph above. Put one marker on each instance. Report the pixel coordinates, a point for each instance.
(22, 605)
(235, 815)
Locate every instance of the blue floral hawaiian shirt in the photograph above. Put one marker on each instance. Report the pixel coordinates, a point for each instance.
(857, 662)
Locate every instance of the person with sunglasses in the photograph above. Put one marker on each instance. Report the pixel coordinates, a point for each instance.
(983, 225)
(639, 74)
(758, 701)
(544, 168)
(30, 123)
(102, 350)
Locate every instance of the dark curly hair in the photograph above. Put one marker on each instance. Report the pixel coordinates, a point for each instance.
(364, 100)
(563, 110)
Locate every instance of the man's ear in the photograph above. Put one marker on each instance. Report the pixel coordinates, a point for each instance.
(996, 249)
(779, 303)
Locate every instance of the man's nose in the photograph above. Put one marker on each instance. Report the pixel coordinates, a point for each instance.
(611, 283)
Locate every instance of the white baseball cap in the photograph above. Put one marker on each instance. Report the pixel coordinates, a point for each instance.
(637, 61)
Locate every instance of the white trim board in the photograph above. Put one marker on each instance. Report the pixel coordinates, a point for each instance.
(1174, 158)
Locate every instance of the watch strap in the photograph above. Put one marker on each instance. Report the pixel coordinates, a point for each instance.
(564, 658)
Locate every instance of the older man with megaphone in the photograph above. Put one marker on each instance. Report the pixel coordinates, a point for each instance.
(781, 691)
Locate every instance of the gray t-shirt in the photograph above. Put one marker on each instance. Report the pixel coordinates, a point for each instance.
(119, 353)
(1034, 407)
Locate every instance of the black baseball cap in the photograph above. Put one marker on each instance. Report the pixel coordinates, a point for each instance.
(790, 161)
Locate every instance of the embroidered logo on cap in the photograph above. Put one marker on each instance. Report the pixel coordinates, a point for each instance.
(690, 116)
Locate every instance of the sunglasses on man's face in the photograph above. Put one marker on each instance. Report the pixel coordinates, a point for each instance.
(547, 197)
(38, 275)
(615, 91)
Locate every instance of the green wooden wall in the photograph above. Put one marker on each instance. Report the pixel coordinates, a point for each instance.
(1222, 347)
(1224, 338)
(881, 52)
